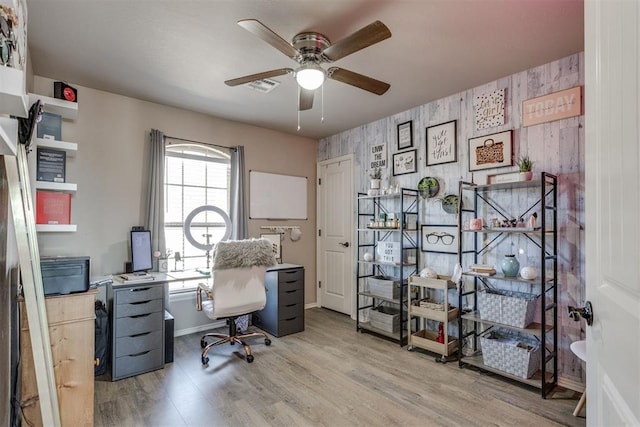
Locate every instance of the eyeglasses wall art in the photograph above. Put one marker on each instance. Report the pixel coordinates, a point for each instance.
(439, 238)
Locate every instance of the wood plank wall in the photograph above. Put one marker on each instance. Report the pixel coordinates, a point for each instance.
(556, 147)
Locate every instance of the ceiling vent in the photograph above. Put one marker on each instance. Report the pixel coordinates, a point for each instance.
(263, 85)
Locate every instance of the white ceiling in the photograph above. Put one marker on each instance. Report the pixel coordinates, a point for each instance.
(179, 53)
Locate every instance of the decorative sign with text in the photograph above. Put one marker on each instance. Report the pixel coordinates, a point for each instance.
(555, 106)
(378, 156)
(489, 109)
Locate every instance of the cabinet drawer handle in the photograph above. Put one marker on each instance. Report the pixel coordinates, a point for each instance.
(139, 335)
(142, 353)
(290, 272)
(291, 318)
(290, 305)
(140, 302)
(139, 289)
(291, 291)
(139, 315)
(292, 281)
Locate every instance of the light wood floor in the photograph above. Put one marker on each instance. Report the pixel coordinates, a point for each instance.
(328, 375)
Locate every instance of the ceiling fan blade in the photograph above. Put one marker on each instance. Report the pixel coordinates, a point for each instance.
(365, 37)
(354, 79)
(258, 76)
(306, 99)
(259, 29)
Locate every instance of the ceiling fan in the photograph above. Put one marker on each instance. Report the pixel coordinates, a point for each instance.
(310, 50)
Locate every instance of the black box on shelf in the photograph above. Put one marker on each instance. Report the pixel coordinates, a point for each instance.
(51, 165)
(61, 90)
(50, 126)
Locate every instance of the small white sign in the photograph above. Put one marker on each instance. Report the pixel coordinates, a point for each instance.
(378, 156)
(489, 109)
(389, 252)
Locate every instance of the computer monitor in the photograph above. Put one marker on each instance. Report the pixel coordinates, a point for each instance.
(141, 259)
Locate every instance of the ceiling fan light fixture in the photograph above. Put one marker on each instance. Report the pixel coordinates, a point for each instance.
(310, 76)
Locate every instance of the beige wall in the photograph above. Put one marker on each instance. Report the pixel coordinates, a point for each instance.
(110, 168)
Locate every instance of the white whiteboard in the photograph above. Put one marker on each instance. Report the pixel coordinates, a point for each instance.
(274, 196)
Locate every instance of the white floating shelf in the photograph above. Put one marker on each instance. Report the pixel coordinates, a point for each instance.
(13, 98)
(69, 147)
(8, 136)
(56, 228)
(56, 186)
(67, 109)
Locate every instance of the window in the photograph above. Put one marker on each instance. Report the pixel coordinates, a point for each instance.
(195, 175)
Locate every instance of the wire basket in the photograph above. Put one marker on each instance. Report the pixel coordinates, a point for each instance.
(507, 307)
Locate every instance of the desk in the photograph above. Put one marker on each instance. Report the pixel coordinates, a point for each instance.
(137, 322)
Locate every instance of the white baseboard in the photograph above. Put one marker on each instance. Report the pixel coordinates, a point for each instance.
(205, 327)
(310, 305)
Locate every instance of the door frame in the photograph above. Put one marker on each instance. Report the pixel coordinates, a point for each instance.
(320, 220)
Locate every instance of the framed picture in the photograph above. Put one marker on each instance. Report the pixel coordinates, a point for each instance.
(441, 143)
(490, 151)
(405, 135)
(439, 238)
(274, 238)
(405, 162)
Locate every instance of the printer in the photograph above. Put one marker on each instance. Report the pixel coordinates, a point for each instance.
(65, 275)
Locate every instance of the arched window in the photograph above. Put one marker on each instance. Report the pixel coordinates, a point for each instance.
(195, 175)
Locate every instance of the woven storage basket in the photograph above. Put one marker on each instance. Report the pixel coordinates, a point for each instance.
(512, 353)
(507, 307)
(385, 318)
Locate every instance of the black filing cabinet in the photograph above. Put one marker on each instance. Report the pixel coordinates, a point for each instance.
(137, 313)
(284, 312)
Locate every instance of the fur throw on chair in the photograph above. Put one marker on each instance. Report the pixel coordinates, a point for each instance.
(243, 254)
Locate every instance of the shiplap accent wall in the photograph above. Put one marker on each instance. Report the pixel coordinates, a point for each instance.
(556, 147)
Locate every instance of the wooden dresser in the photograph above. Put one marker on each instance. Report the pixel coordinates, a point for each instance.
(71, 321)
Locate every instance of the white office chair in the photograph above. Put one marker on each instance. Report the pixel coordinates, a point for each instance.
(239, 268)
(579, 348)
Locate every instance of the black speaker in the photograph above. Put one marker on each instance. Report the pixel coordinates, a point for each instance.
(128, 267)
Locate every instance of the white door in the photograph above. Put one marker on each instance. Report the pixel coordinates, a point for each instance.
(335, 234)
(612, 177)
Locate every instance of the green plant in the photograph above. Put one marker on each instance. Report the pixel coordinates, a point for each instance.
(449, 203)
(525, 164)
(376, 174)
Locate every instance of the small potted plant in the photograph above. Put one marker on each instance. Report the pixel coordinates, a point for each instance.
(376, 176)
(449, 203)
(525, 164)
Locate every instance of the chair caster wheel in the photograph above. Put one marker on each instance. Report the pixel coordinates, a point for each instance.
(267, 342)
(203, 343)
(205, 360)
(250, 358)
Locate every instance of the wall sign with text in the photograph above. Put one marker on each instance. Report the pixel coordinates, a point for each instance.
(378, 156)
(555, 106)
(489, 109)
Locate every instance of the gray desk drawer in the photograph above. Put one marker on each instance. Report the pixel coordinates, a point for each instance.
(290, 326)
(294, 296)
(137, 308)
(136, 364)
(290, 311)
(136, 344)
(127, 326)
(137, 294)
(289, 276)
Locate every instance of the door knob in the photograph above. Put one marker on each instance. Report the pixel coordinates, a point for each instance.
(585, 312)
(344, 244)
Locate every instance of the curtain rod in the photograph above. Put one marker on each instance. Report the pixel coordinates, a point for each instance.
(200, 142)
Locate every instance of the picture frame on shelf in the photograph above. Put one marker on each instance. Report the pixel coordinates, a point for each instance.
(405, 162)
(275, 239)
(491, 151)
(441, 141)
(439, 238)
(405, 135)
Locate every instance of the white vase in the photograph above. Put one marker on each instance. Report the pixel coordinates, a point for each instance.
(526, 176)
(375, 184)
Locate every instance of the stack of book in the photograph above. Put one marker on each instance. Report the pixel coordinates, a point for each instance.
(482, 270)
(136, 277)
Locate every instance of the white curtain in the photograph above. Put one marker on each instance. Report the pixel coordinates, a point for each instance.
(155, 196)
(238, 208)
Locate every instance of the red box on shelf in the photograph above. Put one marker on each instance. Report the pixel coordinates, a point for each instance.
(53, 207)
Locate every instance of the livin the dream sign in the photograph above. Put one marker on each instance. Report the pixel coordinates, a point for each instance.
(378, 156)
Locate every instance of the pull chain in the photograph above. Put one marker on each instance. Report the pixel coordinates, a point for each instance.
(298, 108)
(322, 104)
